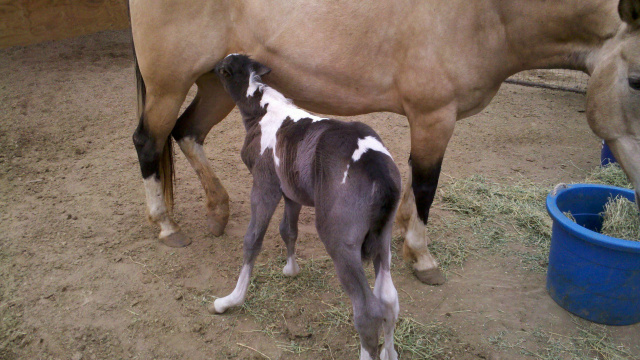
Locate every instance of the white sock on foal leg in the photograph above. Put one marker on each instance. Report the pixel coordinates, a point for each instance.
(364, 355)
(292, 268)
(385, 291)
(238, 295)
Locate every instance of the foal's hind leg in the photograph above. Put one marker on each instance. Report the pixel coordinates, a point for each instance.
(386, 292)
(289, 233)
(368, 312)
(210, 106)
(265, 196)
(344, 244)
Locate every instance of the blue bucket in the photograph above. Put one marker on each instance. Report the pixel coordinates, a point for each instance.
(594, 276)
(606, 156)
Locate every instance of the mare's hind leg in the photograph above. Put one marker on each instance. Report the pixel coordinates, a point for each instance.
(209, 107)
(430, 134)
(386, 292)
(289, 233)
(150, 137)
(265, 196)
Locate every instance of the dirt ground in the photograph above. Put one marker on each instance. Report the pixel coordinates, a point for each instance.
(83, 276)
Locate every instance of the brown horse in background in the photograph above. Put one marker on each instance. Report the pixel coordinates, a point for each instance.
(434, 61)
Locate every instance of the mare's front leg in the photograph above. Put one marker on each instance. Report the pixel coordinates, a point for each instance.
(289, 234)
(265, 196)
(209, 107)
(430, 134)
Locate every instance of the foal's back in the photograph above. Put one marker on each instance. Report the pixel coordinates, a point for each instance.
(323, 159)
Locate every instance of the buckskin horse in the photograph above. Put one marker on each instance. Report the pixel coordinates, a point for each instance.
(434, 61)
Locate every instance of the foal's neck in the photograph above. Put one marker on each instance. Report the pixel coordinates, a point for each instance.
(263, 100)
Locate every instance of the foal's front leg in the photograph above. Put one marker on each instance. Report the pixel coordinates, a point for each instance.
(289, 234)
(264, 199)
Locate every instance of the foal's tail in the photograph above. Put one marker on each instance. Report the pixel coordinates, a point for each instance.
(165, 166)
(386, 197)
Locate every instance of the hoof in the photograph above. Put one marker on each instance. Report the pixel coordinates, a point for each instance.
(212, 309)
(176, 240)
(392, 355)
(217, 307)
(431, 276)
(292, 270)
(217, 225)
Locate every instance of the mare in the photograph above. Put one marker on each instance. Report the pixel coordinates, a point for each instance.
(340, 168)
(435, 61)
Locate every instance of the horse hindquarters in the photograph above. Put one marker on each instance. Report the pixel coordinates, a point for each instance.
(170, 66)
(350, 231)
(157, 116)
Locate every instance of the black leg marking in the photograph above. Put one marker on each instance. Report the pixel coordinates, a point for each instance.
(148, 156)
(424, 185)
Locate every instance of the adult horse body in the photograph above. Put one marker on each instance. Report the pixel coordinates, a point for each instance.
(434, 61)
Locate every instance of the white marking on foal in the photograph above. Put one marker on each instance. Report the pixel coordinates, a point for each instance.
(344, 179)
(254, 84)
(279, 108)
(157, 207)
(239, 293)
(386, 292)
(364, 354)
(369, 143)
(292, 268)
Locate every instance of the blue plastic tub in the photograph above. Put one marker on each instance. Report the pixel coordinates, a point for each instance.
(594, 276)
(606, 156)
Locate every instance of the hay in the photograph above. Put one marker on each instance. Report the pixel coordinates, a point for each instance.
(570, 216)
(609, 175)
(520, 204)
(621, 219)
(500, 213)
(592, 341)
(414, 340)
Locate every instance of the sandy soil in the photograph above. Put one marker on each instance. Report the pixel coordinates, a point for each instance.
(83, 276)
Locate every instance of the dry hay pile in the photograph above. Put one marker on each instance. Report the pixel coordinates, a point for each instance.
(498, 213)
(621, 219)
(620, 216)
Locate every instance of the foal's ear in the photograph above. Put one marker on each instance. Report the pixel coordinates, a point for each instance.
(261, 69)
(629, 11)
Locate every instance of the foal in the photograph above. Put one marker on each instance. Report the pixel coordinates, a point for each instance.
(340, 168)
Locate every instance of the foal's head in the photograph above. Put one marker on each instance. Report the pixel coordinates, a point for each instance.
(240, 76)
